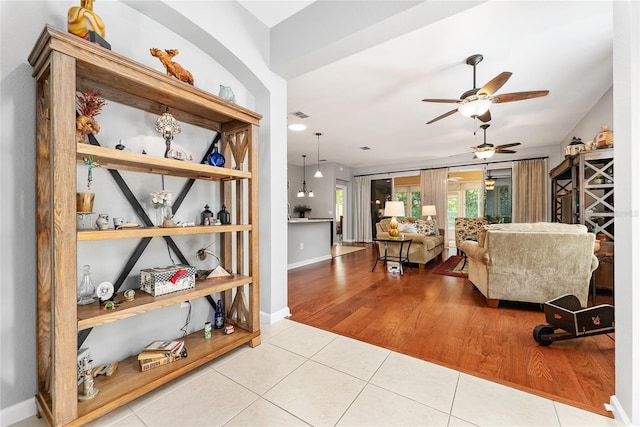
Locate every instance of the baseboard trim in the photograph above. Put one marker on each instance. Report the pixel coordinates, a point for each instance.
(18, 412)
(271, 318)
(308, 261)
(618, 412)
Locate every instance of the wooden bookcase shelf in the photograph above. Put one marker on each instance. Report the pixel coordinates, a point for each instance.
(125, 160)
(92, 315)
(128, 233)
(64, 64)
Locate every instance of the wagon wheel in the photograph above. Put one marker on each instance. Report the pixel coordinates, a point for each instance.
(541, 330)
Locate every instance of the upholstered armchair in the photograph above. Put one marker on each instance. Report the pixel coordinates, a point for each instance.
(531, 262)
(468, 229)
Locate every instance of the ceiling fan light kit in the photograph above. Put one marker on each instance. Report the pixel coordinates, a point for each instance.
(475, 107)
(485, 154)
(486, 150)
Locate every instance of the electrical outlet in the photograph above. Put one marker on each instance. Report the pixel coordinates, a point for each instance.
(184, 304)
(301, 246)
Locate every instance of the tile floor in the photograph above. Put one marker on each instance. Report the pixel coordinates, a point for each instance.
(304, 376)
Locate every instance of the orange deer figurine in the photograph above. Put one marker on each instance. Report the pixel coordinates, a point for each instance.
(173, 68)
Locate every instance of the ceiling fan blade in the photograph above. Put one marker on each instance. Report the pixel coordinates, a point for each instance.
(518, 96)
(447, 114)
(485, 117)
(446, 101)
(496, 83)
(505, 151)
(513, 144)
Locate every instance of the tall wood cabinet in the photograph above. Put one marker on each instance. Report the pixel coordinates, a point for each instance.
(583, 193)
(64, 64)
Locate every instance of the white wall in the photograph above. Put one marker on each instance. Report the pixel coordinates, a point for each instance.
(626, 127)
(130, 33)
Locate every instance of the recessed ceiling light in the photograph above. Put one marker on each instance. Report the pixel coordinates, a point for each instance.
(297, 127)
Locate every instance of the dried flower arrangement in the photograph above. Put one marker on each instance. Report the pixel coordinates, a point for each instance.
(90, 103)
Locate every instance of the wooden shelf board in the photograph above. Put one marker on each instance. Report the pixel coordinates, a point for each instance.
(146, 88)
(128, 382)
(92, 315)
(110, 158)
(140, 232)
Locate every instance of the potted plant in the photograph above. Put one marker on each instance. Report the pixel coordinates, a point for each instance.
(84, 199)
(302, 210)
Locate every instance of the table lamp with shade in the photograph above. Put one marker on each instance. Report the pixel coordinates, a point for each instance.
(429, 211)
(394, 209)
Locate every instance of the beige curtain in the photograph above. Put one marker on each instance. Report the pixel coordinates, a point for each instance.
(362, 209)
(433, 189)
(530, 190)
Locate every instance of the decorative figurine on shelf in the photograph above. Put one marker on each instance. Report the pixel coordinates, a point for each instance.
(173, 68)
(226, 93)
(215, 158)
(89, 102)
(102, 222)
(604, 138)
(90, 164)
(84, 22)
(206, 216)
(88, 391)
(223, 216)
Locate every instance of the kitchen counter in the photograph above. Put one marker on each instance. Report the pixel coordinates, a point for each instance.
(309, 241)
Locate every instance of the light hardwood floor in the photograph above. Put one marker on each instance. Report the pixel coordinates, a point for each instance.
(445, 320)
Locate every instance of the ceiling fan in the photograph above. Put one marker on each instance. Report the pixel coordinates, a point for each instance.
(476, 102)
(485, 150)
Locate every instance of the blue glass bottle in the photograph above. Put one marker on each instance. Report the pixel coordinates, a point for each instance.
(215, 158)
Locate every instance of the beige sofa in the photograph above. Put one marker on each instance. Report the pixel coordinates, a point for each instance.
(423, 248)
(533, 262)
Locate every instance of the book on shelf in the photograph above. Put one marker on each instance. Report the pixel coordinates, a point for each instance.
(146, 364)
(159, 349)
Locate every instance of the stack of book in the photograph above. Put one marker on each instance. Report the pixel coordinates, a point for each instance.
(159, 353)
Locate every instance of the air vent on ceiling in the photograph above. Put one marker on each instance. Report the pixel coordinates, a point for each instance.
(365, 148)
(300, 115)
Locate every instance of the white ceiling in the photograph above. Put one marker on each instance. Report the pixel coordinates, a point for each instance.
(274, 12)
(373, 97)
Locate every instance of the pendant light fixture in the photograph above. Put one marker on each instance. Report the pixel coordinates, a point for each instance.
(318, 174)
(489, 182)
(304, 191)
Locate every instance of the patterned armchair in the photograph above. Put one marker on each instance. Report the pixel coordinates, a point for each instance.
(468, 229)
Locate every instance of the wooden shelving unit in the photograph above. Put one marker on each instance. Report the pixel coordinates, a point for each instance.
(582, 193)
(64, 64)
(576, 179)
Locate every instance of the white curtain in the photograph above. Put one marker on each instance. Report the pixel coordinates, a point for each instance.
(530, 190)
(362, 209)
(433, 189)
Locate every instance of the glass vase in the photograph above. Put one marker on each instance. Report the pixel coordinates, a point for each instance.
(86, 290)
(163, 213)
(215, 158)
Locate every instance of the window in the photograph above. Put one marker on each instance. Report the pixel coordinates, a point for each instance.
(410, 196)
(498, 201)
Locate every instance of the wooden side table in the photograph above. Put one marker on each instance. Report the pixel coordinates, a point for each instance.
(400, 258)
